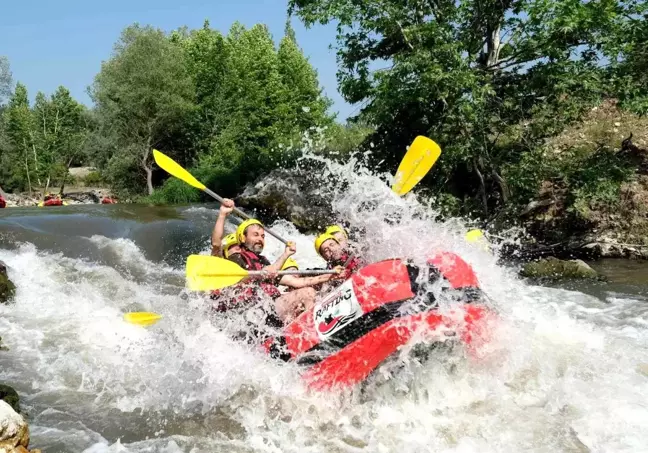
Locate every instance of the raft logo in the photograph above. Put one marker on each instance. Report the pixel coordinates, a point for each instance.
(336, 311)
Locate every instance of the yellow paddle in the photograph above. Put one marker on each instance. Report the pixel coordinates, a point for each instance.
(419, 159)
(174, 169)
(142, 318)
(421, 156)
(206, 273)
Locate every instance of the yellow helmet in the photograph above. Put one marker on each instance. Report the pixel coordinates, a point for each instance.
(332, 229)
(321, 239)
(474, 235)
(229, 241)
(477, 237)
(240, 231)
(289, 263)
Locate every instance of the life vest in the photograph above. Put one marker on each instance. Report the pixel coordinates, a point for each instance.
(3, 203)
(246, 292)
(254, 262)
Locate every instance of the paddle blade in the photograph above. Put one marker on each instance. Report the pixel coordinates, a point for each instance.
(207, 273)
(415, 165)
(142, 318)
(170, 166)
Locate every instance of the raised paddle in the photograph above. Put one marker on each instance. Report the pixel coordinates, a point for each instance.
(419, 159)
(174, 169)
(206, 273)
(421, 156)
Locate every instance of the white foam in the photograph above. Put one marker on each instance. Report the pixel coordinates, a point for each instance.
(560, 373)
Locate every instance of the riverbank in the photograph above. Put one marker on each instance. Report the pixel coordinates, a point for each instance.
(72, 195)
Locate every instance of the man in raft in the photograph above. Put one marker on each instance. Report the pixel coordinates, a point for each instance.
(251, 238)
(337, 252)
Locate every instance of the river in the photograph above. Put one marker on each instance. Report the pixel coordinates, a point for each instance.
(563, 373)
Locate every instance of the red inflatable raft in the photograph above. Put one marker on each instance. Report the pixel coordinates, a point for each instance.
(366, 319)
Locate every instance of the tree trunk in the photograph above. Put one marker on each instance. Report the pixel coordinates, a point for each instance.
(25, 150)
(506, 193)
(149, 179)
(35, 158)
(148, 168)
(482, 187)
(67, 172)
(28, 178)
(493, 46)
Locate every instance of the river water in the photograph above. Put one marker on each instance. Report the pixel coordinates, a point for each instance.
(564, 372)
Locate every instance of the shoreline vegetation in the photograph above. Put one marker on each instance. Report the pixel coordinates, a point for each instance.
(539, 111)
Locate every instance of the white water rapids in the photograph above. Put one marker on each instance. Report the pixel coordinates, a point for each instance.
(561, 375)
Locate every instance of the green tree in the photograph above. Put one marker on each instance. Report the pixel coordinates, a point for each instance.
(627, 49)
(143, 93)
(206, 54)
(488, 80)
(307, 107)
(71, 129)
(20, 131)
(6, 82)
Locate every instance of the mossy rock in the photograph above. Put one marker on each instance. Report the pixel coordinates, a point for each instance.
(553, 268)
(10, 396)
(7, 289)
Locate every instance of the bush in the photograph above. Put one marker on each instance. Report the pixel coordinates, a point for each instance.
(174, 191)
(94, 178)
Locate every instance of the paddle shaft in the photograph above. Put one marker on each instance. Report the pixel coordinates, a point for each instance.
(297, 272)
(242, 214)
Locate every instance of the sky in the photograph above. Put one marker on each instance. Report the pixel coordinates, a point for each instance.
(52, 43)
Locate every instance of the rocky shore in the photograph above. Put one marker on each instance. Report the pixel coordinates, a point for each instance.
(14, 431)
(72, 196)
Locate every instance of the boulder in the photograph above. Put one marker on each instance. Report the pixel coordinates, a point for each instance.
(10, 396)
(291, 194)
(7, 288)
(554, 268)
(14, 432)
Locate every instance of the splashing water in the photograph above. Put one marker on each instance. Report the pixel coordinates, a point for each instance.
(561, 374)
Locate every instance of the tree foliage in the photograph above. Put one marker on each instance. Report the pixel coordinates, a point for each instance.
(43, 141)
(144, 93)
(489, 80)
(6, 80)
(231, 106)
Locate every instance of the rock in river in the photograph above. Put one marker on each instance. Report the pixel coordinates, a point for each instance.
(10, 396)
(558, 269)
(292, 194)
(7, 288)
(14, 432)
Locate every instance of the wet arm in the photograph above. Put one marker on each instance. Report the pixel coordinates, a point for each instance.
(303, 282)
(217, 236)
